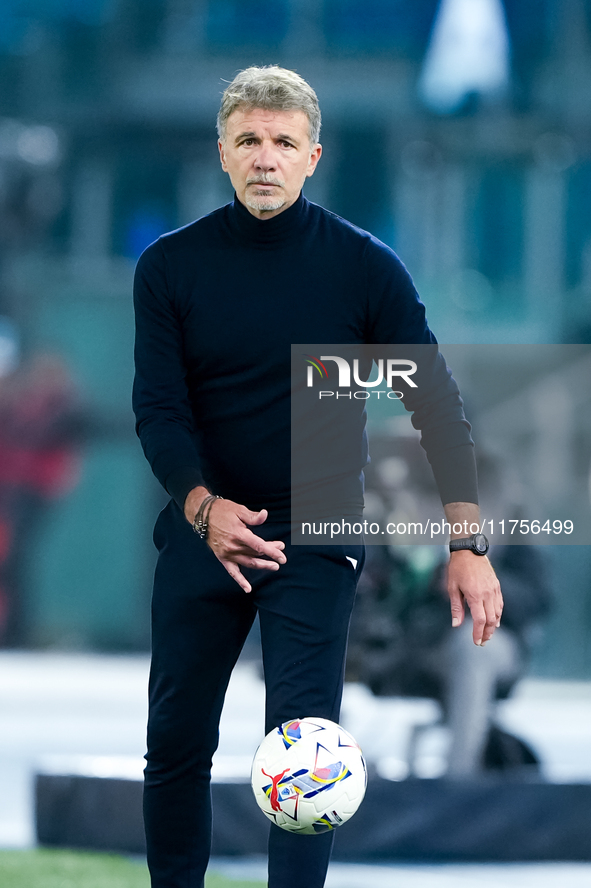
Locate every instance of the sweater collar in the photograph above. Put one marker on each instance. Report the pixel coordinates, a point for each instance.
(281, 227)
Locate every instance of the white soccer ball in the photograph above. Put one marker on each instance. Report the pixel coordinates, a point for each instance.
(309, 776)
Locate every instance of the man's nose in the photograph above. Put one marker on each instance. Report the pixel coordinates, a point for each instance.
(266, 158)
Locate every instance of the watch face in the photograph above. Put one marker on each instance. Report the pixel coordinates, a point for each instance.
(480, 543)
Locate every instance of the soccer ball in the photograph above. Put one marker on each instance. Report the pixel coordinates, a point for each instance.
(309, 776)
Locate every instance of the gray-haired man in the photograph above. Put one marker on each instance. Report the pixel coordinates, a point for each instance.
(218, 304)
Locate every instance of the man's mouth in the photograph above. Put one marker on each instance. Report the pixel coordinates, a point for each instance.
(264, 184)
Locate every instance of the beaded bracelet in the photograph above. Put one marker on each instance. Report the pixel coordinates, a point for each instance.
(201, 521)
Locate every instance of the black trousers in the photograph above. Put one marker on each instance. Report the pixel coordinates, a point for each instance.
(200, 620)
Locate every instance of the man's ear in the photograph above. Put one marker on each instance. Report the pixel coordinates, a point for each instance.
(222, 155)
(314, 158)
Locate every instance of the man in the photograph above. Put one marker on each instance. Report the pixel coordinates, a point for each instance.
(218, 304)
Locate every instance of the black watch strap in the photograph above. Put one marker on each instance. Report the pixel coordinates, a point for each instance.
(476, 543)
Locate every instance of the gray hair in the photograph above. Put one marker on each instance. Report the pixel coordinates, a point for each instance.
(274, 89)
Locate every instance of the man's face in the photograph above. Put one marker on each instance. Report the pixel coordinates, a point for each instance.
(268, 156)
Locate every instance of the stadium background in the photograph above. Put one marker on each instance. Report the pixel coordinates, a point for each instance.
(107, 139)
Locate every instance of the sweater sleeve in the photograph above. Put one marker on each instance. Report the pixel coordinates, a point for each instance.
(397, 315)
(164, 419)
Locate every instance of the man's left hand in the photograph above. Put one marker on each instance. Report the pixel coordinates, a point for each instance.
(471, 579)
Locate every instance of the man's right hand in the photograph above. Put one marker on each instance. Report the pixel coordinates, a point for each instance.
(229, 537)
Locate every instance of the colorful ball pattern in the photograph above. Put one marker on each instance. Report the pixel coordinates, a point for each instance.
(309, 776)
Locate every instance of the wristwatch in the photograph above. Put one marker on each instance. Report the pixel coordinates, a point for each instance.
(476, 543)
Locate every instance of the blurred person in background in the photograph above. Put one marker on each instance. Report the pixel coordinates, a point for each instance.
(472, 686)
(42, 424)
(401, 643)
(218, 304)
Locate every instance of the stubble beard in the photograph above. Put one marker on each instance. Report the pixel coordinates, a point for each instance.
(262, 201)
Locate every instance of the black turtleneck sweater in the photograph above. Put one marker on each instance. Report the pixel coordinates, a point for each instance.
(218, 304)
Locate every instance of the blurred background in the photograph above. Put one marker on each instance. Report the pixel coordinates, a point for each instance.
(459, 132)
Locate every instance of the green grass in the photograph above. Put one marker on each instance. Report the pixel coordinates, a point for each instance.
(48, 868)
